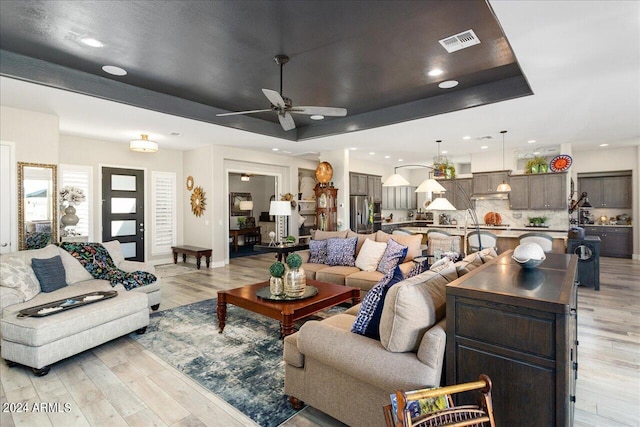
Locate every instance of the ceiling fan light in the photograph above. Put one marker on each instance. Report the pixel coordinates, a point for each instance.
(143, 145)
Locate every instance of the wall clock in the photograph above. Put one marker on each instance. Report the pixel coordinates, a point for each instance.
(198, 201)
(189, 183)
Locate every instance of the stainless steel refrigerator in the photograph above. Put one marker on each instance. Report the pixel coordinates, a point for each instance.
(362, 214)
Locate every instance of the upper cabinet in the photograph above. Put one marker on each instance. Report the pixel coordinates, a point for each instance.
(399, 198)
(607, 191)
(487, 182)
(458, 192)
(519, 195)
(546, 191)
(361, 184)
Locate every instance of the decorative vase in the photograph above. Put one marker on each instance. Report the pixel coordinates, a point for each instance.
(276, 287)
(544, 168)
(534, 168)
(69, 217)
(295, 282)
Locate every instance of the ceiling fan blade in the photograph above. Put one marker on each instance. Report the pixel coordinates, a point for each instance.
(274, 97)
(324, 111)
(286, 121)
(242, 112)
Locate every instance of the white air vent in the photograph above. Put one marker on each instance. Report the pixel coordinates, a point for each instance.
(460, 41)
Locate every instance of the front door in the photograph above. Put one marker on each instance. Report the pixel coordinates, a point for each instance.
(123, 210)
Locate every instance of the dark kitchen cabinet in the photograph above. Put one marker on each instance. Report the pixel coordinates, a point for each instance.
(399, 198)
(615, 242)
(357, 184)
(519, 195)
(519, 327)
(607, 191)
(374, 187)
(458, 192)
(487, 182)
(361, 184)
(388, 197)
(548, 191)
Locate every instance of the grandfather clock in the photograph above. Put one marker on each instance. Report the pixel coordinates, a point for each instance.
(326, 209)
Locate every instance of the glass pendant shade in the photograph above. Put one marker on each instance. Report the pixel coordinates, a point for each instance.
(395, 180)
(143, 145)
(430, 186)
(441, 204)
(503, 188)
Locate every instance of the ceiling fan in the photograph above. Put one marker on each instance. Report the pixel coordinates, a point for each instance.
(283, 105)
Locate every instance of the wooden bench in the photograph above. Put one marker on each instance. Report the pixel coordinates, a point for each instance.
(191, 250)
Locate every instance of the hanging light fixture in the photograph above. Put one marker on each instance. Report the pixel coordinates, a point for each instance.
(143, 145)
(245, 177)
(504, 187)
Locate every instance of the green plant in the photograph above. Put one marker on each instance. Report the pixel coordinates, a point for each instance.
(533, 165)
(290, 239)
(543, 219)
(294, 261)
(242, 221)
(276, 269)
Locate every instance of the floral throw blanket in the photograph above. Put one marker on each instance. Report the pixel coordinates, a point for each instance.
(96, 260)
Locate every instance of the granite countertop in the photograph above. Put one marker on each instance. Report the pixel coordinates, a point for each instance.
(512, 233)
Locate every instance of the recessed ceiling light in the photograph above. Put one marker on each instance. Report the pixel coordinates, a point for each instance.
(484, 147)
(92, 42)
(444, 151)
(116, 71)
(604, 145)
(287, 152)
(387, 157)
(435, 72)
(536, 152)
(448, 84)
(401, 160)
(372, 153)
(275, 149)
(353, 148)
(466, 137)
(531, 141)
(316, 117)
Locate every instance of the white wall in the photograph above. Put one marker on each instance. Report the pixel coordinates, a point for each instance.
(36, 135)
(198, 231)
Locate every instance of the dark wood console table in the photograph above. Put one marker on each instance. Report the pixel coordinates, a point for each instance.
(520, 328)
(251, 236)
(191, 250)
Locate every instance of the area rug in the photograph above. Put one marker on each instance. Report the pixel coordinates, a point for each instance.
(243, 365)
(243, 251)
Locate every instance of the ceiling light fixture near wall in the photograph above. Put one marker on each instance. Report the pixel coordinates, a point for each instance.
(504, 187)
(143, 145)
(448, 84)
(435, 72)
(92, 42)
(114, 71)
(246, 178)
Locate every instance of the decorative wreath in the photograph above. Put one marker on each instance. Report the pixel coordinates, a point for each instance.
(198, 201)
(189, 183)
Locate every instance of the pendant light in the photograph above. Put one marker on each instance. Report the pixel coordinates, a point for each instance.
(143, 145)
(504, 187)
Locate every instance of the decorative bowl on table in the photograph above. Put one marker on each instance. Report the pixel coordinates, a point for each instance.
(528, 255)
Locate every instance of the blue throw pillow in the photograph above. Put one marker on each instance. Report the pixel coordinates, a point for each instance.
(50, 273)
(393, 255)
(318, 251)
(342, 251)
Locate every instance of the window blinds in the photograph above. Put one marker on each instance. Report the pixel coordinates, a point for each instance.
(163, 212)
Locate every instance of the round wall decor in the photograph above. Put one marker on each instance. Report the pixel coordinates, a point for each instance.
(324, 172)
(189, 183)
(198, 201)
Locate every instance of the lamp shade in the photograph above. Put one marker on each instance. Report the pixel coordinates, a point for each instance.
(441, 204)
(504, 188)
(143, 145)
(586, 203)
(246, 205)
(395, 180)
(280, 208)
(430, 186)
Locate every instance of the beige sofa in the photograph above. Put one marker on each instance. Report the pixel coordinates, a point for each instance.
(350, 376)
(353, 276)
(38, 342)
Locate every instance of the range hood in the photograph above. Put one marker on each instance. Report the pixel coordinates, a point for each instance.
(491, 196)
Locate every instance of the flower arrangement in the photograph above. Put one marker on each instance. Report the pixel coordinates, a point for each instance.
(72, 195)
(294, 261)
(276, 269)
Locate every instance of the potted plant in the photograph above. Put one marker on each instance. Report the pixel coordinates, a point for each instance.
(537, 165)
(295, 278)
(276, 286)
(543, 221)
(290, 240)
(242, 222)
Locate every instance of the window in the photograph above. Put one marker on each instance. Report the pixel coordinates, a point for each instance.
(163, 212)
(81, 177)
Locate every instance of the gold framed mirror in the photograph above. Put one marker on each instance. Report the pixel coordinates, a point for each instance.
(37, 205)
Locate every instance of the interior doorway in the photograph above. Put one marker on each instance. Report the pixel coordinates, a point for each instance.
(8, 189)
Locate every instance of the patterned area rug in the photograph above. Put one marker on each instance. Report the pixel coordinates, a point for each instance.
(243, 365)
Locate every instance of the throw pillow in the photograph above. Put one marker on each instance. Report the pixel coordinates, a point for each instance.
(19, 276)
(317, 251)
(50, 273)
(487, 254)
(370, 255)
(342, 251)
(412, 242)
(393, 255)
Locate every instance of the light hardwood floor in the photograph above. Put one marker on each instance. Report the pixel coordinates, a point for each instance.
(122, 384)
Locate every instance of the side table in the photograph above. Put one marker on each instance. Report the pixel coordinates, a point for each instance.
(191, 250)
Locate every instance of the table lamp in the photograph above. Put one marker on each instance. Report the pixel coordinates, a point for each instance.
(247, 205)
(280, 209)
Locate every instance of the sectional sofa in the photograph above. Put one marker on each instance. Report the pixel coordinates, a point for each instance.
(38, 342)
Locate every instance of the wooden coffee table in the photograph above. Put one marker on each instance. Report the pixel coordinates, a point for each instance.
(286, 312)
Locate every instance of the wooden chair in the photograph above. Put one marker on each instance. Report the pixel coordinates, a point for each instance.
(489, 240)
(458, 416)
(544, 240)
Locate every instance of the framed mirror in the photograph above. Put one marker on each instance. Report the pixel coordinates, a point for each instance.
(234, 203)
(37, 205)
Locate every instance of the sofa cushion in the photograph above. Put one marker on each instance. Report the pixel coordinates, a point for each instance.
(341, 251)
(311, 269)
(412, 242)
(115, 251)
(364, 280)
(468, 263)
(370, 255)
(317, 251)
(361, 239)
(393, 255)
(412, 307)
(335, 274)
(487, 254)
(50, 273)
(323, 235)
(16, 271)
(74, 271)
